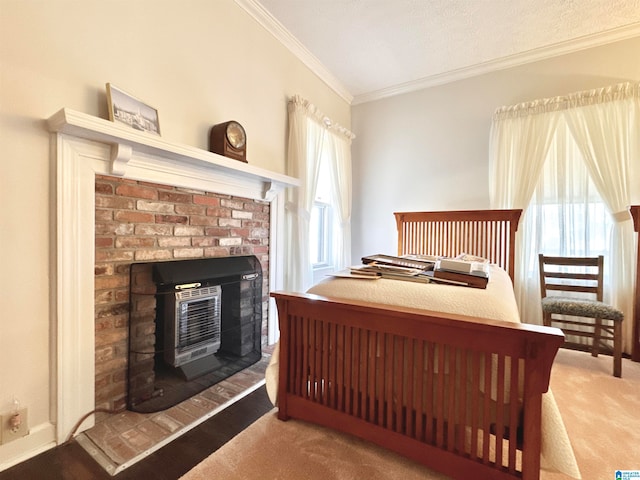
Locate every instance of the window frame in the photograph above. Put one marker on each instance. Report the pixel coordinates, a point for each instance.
(324, 265)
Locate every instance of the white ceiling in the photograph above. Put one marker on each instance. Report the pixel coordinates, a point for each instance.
(368, 49)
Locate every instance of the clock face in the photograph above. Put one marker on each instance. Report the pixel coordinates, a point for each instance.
(236, 135)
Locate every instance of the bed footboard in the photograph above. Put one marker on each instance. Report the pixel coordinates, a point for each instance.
(460, 395)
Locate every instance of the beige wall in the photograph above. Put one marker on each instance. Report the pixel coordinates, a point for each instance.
(428, 150)
(199, 62)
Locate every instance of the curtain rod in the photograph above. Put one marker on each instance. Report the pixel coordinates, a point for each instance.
(620, 91)
(321, 118)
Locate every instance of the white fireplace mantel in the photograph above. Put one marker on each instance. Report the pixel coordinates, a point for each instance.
(140, 154)
(85, 146)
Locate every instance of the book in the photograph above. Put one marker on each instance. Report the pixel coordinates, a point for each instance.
(446, 281)
(465, 263)
(453, 265)
(422, 258)
(473, 279)
(392, 272)
(404, 262)
(377, 267)
(408, 278)
(352, 274)
(364, 270)
(419, 277)
(466, 257)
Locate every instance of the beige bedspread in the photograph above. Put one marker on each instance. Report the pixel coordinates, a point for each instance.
(496, 302)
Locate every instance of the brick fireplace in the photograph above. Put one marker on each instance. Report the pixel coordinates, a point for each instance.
(94, 156)
(146, 222)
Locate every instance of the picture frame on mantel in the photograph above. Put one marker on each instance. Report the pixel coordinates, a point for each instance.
(127, 109)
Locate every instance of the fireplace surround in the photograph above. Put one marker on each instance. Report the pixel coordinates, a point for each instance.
(140, 222)
(84, 146)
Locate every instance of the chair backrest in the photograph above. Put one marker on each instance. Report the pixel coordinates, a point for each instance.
(571, 274)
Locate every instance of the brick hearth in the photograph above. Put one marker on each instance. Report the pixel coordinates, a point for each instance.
(119, 441)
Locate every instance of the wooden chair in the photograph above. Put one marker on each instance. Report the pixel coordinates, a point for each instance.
(579, 281)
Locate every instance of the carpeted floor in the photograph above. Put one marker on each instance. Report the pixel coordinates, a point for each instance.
(601, 414)
(295, 450)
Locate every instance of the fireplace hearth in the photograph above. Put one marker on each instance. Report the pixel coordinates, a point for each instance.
(192, 323)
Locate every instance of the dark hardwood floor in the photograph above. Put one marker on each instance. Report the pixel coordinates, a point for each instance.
(72, 462)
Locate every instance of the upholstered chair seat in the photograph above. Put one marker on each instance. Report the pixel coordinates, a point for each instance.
(580, 307)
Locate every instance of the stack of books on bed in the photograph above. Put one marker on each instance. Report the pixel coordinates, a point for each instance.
(466, 270)
(398, 268)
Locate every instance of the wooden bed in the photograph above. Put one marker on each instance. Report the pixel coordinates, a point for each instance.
(433, 387)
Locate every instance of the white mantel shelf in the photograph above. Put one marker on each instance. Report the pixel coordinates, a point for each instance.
(129, 145)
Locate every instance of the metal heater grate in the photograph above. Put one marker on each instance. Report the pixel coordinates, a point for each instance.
(197, 324)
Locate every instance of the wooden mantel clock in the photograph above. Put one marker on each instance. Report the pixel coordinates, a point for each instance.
(229, 139)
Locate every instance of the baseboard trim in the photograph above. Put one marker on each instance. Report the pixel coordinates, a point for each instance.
(40, 439)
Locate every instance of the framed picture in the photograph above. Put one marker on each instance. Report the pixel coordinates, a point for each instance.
(125, 108)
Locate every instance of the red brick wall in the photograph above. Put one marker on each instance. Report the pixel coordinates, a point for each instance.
(140, 222)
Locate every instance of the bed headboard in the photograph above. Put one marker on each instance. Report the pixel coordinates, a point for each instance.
(486, 233)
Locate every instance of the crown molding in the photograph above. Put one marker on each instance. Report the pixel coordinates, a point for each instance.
(588, 41)
(275, 28)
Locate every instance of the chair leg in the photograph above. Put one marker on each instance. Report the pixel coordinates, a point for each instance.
(617, 348)
(546, 319)
(597, 327)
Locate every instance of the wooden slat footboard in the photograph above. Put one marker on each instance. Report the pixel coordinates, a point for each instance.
(433, 387)
(486, 233)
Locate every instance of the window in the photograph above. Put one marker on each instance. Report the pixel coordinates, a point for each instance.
(321, 224)
(566, 217)
(318, 213)
(320, 233)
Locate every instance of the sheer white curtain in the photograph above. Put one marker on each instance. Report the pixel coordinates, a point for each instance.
(578, 149)
(314, 138)
(608, 158)
(306, 138)
(340, 155)
(520, 140)
(566, 216)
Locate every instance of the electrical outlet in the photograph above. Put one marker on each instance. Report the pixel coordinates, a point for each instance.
(11, 432)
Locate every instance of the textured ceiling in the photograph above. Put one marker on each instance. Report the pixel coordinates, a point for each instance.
(373, 46)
